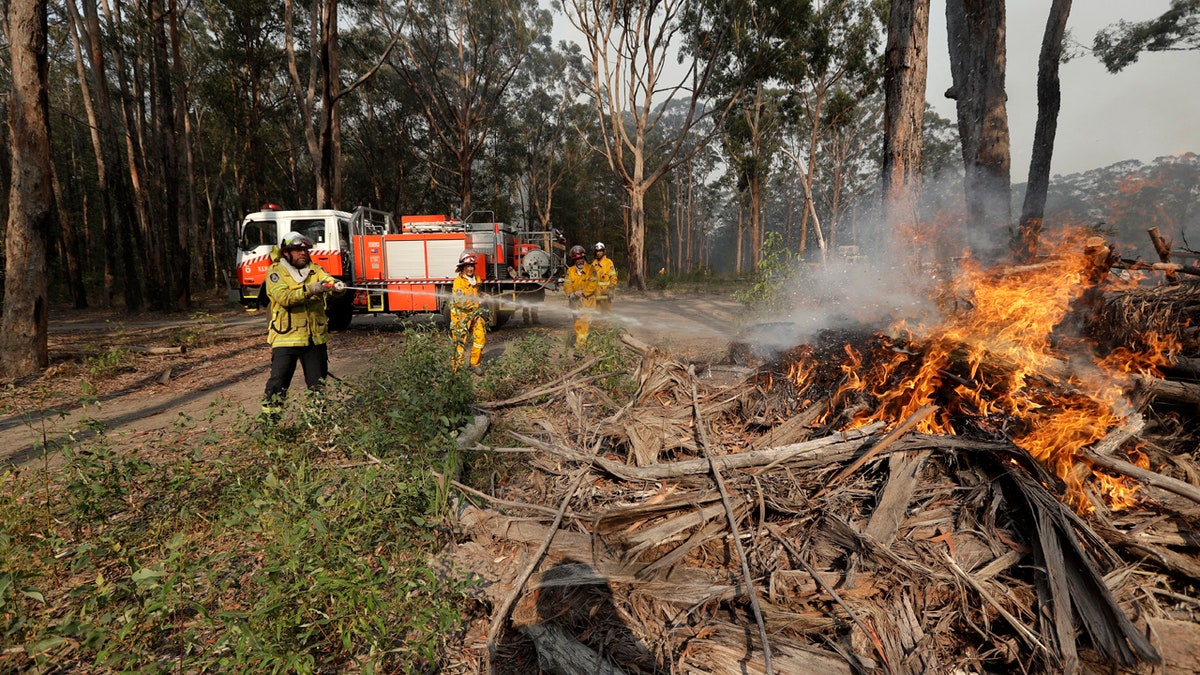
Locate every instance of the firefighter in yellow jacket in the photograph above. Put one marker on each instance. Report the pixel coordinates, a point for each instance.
(606, 278)
(468, 319)
(299, 329)
(580, 287)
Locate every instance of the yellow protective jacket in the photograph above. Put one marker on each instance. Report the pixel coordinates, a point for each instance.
(581, 280)
(464, 296)
(297, 316)
(606, 276)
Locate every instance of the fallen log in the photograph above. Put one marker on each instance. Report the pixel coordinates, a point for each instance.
(1168, 390)
(158, 351)
(1127, 264)
(1156, 479)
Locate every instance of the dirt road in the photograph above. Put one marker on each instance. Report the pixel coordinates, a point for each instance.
(138, 400)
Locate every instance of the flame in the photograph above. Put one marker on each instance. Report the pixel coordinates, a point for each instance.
(1000, 328)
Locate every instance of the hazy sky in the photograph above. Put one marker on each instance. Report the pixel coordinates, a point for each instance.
(1151, 108)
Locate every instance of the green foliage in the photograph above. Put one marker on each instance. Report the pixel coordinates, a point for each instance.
(1178, 28)
(107, 363)
(615, 361)
(297, 548)
(528, 361)
(770, 287)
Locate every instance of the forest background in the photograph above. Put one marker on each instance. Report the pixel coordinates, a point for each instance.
(685, 133)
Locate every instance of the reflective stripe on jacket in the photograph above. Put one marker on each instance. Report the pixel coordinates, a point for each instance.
(297, 316)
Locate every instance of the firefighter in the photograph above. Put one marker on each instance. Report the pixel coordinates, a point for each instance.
(296, 288)
(468, 319)
(580, 287)
(606, 278)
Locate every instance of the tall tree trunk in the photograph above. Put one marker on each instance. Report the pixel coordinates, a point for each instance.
(176, 267)
(328, 173)
(132, 200)
(187, 219)
(906, 65)
(23, 324)
(977, 61)
(1049, 100)
(72, 252)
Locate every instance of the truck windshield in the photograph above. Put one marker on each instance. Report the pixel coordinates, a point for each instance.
(313, 228)
(258, 233)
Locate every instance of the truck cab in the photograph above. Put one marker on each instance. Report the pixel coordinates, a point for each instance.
(330, 231)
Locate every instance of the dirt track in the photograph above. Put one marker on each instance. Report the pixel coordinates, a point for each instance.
(137, 404)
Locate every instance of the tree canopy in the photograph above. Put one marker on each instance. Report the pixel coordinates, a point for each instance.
(1177, 29)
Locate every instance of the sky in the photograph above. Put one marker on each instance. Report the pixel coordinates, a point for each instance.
(1149, 109)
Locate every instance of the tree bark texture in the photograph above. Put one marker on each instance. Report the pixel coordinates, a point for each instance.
(23, 325)
(976, 31)
(906, 66)
(1049, 100)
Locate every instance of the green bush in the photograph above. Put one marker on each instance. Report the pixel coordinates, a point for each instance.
(297, 548)
(773, 279)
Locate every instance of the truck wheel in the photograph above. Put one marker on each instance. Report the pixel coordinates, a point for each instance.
(499, 318)
(340, 313)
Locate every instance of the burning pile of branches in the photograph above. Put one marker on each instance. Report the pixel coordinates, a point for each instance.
(990, 493)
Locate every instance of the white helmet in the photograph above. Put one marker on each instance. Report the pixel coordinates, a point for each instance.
(467, 259)
(599, 246)
(294, 240)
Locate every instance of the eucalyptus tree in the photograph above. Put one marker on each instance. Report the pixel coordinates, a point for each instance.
(627, 46)
(836, 59)
(118, 175)
(459, 57)
(906, 68)
(1176, 29)
(551, 124)
(318, 96)
(762, 55)
(1049, 95)
(23, 322)
(976, 31)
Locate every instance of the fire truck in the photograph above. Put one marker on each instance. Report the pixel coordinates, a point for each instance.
(403, 268)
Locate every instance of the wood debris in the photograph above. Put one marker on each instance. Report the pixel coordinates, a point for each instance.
(675, 533)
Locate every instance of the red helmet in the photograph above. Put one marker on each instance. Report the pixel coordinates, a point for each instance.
(293, 241)
(576, 253)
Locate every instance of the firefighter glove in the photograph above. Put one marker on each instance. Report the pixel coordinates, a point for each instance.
(315, 287)
(339, 286)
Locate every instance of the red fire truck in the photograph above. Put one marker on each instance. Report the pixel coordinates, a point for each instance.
(406, 267)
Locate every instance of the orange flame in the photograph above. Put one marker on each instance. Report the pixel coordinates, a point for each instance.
(1000, 326)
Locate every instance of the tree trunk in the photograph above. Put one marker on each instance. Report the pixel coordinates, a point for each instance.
(636, 242)
(1049, 99)
(330, 89)
(905, 68)
(176, 268)
(977, 61)
(72, 251)
(131, 198)
(23, 324)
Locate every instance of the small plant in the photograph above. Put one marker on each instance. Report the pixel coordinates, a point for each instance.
(774, 274)
(614, 359)
(527, 362)
(107, 363)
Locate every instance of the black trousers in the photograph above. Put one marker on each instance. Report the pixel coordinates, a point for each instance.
(313, 358)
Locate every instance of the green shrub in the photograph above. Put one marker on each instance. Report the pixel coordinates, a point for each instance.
(300, 548)
(773, 279)
(527, 362)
